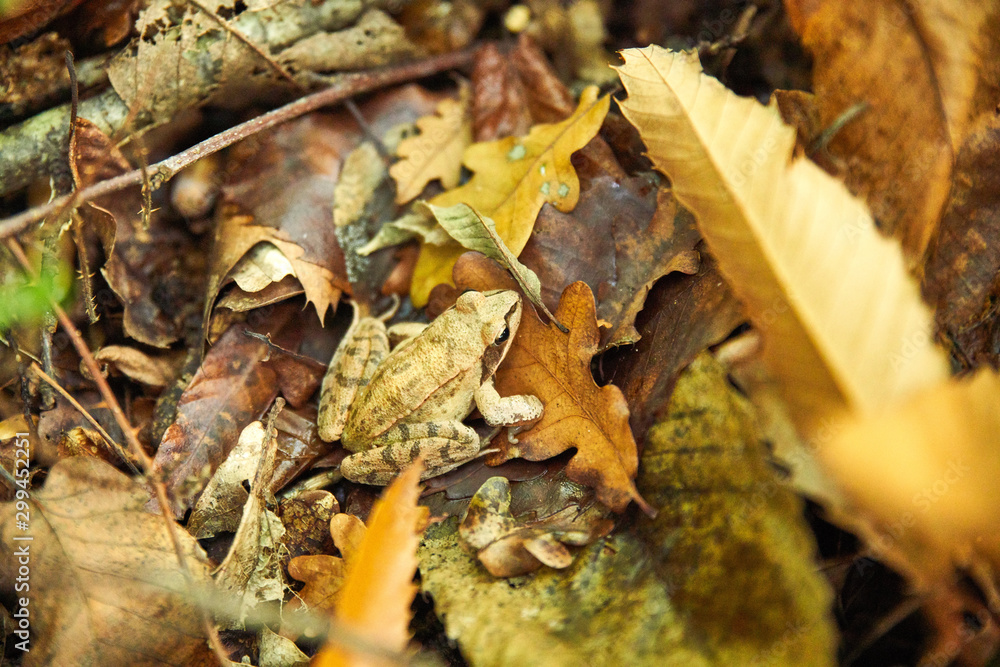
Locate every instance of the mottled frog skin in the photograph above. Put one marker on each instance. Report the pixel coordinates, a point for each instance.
(388, 408)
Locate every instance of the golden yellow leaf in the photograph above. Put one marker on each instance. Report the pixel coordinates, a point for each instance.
(924, 474)
(844, 327)
(512, 179)
(436, 152)
(374, 602)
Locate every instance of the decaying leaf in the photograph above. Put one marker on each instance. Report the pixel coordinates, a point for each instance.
(146, 267)
(252, 570)
(155, 371)
(960, 277)
(436, 153)
(514, 90)
(843, 325)
(475, 232)
(729, 533)
(555, 366)
(231, 388)
(106, 587)
(509, 549)
(374, 603)
(220, 506)
(512, 179)
(895, 56)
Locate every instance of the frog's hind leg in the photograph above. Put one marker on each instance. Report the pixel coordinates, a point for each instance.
(443, 446)
(362, 349)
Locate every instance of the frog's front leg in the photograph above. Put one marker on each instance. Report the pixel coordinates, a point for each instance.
(506, 410)
(442, 445)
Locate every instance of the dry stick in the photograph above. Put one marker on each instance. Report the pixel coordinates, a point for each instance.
(83, 411)
(133, 442)
(349, 85)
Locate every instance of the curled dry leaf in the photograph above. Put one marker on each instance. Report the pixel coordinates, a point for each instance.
(844, 327)
(106, 586)
(158, 371)
(252, 570)
(437, 151)
(509, 549)
(916, 65)
(513, 178)
(374, 603)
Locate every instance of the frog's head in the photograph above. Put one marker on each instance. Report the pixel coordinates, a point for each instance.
(498, 313)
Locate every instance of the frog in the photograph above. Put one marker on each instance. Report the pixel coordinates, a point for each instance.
(389, 408)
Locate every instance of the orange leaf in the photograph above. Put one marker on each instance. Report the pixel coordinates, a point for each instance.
(374, 602)
(555, 367)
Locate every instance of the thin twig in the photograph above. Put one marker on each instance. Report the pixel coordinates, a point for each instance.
(147, 463)
(348, 85)
(112, 443)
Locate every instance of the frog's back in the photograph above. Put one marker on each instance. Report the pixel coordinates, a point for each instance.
(432, 378)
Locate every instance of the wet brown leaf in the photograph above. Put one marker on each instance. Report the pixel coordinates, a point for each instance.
(106, 586)
(927, 65)
(684, 315)
(306, 518)
(650, 236)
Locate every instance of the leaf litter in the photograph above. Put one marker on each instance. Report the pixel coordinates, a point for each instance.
(738, 243)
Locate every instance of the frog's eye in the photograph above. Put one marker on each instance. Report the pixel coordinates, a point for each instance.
(504, 335)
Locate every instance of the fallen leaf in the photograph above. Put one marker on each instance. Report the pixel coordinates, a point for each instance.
(375, 40)
(895, 56)
(622, 236)
(555, 366)
(436, 153)
(513, 178)
(252, 570)
(232, 388)
(508, 549)
(960, 277)
(924, 472)
(514, 90)
(220, 507)
(106, 587)
(844, 327)
(374, 603)
(730, 536)
(148, 268)
(306, 518)
(684, 315)
(155, 371)
(475, 232)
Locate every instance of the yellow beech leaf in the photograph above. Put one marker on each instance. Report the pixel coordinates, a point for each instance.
(843, 324)
(374, 603)
(436, 152)
(512, 179)
(924, 474)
